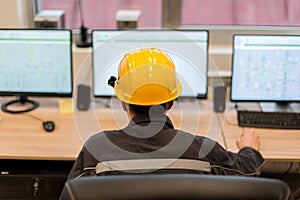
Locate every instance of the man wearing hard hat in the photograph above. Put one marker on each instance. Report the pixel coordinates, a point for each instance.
(147, 85)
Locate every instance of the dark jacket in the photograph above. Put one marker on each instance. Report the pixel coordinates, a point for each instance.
(146, 138)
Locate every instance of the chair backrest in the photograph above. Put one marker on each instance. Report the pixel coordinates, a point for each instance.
(175, 187)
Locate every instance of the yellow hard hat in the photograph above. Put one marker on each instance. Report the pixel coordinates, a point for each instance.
(147, 77)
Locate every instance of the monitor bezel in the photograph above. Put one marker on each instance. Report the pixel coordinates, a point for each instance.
(232, 74)
(199, 96)
(43, 94)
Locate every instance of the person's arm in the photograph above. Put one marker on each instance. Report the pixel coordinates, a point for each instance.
(77, 168)
(75, 172)
(247, 161)
(84, 165)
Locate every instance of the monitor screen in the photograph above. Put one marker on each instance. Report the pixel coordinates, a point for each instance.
(35, 62)
(266, 68)
(187, 49)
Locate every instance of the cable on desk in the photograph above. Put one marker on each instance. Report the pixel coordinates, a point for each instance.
(236, 106)
(106, 104)
(34, 117)
(230, 123)
(222, 132)
(47, 125)
(224, 139)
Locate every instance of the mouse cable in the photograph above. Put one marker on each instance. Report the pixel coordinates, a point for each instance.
(40, 119)
(229, 122)
(221, 125)
(29, 115)
(34, 117)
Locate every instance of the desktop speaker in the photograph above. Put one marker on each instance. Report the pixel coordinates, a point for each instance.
(83, 97)
(219, 96)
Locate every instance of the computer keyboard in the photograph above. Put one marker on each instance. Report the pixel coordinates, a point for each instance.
(283, 120)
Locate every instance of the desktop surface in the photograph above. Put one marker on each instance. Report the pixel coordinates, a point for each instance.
(23, 137)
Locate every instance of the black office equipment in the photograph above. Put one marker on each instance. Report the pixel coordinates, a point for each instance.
(283, 120)
(187, 48)
(83, 97)
(265, 68)
(219, 98)
(84, 41)
(49, 126)
(174, 186)
(34, 62)
(33, 179)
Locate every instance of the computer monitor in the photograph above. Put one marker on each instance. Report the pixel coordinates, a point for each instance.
(266, 68)
(187, 48)
(35, 63)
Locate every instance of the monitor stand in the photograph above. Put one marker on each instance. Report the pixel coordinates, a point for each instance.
(275, 107)
(22, 100)
(296, 107)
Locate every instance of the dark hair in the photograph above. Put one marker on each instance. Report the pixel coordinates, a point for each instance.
(138, 109)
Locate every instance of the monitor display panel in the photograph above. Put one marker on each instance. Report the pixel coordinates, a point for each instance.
(35, 62)
(266, 68)
(187, 48)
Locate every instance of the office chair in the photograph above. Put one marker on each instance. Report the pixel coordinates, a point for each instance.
(175, 187)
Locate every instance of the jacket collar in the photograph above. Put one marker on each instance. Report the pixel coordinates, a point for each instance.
(144, 119)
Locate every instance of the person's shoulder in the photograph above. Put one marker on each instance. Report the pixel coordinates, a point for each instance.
(186, 133)
(102, 134)
(198, 139)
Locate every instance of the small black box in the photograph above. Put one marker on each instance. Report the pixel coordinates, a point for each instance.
(83, 97)
(219, 98)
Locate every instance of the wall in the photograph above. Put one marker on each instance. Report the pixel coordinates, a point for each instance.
(241, 12)
(9, 14)
(220, 42)
(16, 13)
(100, 14)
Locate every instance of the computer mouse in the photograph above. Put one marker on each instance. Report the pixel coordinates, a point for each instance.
(49, 126)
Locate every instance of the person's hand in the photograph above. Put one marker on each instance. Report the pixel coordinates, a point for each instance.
(248, 139)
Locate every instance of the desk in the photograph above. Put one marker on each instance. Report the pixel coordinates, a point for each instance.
(276, 144)
(23, 137)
